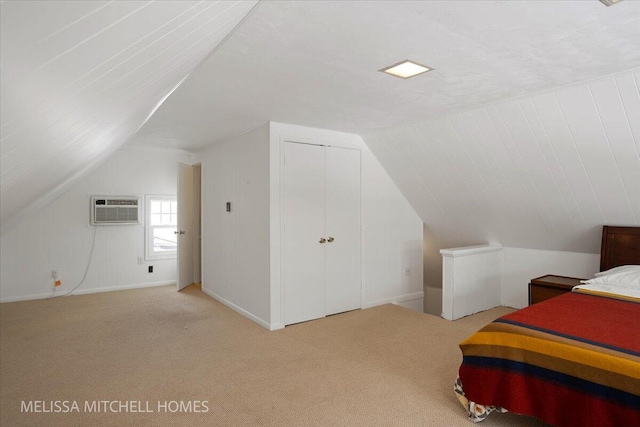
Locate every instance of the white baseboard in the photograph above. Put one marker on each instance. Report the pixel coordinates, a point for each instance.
(81, 291)
(395, 300)
(26, 297)
(276, 326)
(123, 287)
(239, 310)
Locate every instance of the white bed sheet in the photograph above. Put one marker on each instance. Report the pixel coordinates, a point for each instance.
(627, 291)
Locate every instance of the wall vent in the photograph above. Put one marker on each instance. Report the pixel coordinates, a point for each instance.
(109, 210)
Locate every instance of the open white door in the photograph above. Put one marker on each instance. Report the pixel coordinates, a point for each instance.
(185, 225)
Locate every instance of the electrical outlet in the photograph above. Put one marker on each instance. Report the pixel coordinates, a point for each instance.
(54, 274)
(139, 260)
(407, 271)
(151, 269)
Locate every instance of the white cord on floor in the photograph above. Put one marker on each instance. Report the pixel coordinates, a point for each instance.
(86, 270)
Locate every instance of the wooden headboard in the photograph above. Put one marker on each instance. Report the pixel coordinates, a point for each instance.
(620, 246)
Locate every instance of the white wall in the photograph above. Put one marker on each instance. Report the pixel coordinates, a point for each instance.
(522, 265)
(543, 171)
(473, 281)
(79, 78)
(392, 240)
(392, 231)
(235, 245)
(59, 236)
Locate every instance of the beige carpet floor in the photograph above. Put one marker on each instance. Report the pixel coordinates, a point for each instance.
(382, 366)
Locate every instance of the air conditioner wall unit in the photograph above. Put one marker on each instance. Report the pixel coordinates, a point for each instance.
(115, 210)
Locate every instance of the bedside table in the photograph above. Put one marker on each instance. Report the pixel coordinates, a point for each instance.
(549, 286)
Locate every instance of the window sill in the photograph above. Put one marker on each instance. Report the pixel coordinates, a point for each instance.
(160, 257)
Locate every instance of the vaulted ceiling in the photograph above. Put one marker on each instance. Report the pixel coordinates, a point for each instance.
(80, 78)
(316, 63)
(543, 171)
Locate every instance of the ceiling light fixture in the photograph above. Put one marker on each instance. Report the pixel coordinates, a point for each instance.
(609, 2)
(406, 69)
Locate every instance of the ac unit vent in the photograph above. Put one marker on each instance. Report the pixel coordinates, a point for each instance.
(115, 210)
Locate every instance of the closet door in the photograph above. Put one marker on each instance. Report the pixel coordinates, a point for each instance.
(343, 271)
(304, 215)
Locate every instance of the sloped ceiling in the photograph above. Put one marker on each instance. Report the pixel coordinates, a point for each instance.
(80, 77)
(315, 63)
(542, 172)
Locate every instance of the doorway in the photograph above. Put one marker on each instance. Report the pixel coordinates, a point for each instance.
(189, 198)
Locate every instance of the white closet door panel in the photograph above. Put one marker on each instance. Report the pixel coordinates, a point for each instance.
(343, 288)
(303, 254)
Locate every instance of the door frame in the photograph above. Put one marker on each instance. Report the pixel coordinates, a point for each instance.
(197, 220)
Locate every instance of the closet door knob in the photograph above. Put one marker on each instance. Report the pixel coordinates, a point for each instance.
(330, 239)
(322, 240)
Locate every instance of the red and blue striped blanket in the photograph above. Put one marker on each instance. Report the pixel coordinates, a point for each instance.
(573, 360)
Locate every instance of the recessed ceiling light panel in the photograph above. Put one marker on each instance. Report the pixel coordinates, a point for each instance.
(609, 2)
(406, 69)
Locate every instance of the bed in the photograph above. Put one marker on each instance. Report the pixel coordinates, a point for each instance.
(573, 360)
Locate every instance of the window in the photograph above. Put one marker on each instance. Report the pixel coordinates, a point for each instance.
(161, 227)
